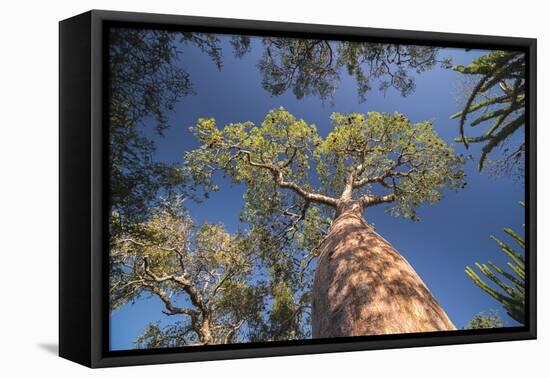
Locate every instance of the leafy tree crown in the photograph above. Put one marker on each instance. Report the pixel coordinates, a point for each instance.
(375, 158)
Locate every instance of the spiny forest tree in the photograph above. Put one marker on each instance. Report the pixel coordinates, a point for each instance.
(362, 285)
(314, 67)
(145, 82)
(201, 275)
(510, 287)
(497, 101)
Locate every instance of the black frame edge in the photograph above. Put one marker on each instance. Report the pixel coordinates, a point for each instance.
(75, 335)
(258, 27)
(531, 186)
(290, 350)
(90, 328)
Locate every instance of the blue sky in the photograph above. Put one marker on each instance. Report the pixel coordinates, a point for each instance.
(450, 234)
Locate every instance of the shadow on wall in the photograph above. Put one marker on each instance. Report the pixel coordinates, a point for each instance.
(51, 348)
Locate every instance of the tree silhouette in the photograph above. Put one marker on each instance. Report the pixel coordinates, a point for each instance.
(145, 82)
(314, 67)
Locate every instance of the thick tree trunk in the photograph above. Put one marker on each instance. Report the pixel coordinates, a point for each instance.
(363, 286)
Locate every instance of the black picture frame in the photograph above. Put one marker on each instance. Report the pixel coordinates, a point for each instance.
(83, 304)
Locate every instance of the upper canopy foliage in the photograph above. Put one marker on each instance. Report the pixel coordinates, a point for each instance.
(147, 78)
(145, 82)
(374, 159)
(498, 101)
(314, 67)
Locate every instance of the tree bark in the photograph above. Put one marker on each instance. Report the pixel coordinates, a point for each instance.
(363, 286)
(205, 334)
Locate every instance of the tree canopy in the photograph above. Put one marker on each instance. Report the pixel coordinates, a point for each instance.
(203, 275)
(256, 284)
(484, 320)
(147, 79)
(378, 158)
(497, 100)
(145, 82)
(296, 180)
(314, 67)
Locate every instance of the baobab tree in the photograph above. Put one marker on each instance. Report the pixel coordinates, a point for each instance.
(362, 285)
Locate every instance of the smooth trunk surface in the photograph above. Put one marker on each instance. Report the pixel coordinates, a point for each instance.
(363, 286)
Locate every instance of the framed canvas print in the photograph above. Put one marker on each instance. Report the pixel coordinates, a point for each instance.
(234, 188)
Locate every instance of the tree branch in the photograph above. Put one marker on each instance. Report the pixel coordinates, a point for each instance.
(310, 196)
(188, 287)
(229, 335)
(368, 200)
(170, 308)
(135, 242)
(280, 180)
